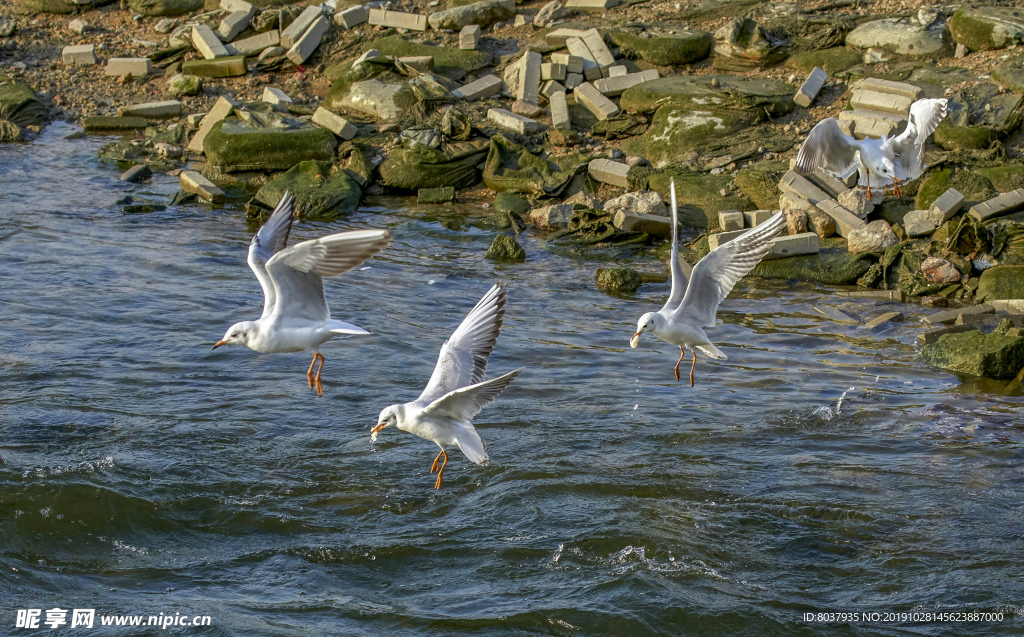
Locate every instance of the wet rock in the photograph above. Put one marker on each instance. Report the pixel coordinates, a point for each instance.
(975, 187)
(321, 190)
(742, 44)
(180, 85)
(10, 132)
(234, 145)
(511, 202)
(997, 355)
(648, 203)
(20, 106)
(903, 37)
(165, 7)
(684, 47)
(832, 61)
(142, 208)
(979, 114)
(921, 222)
(832, 265)
(618, 279)
(435, 195)
(699, 196)
(856, 201)
(527, 109)
(1001, 282)
(136, 173)
(874, 237)
(554, 217)
(483, 13)
(506, 249)
(551, 12)
(987, 28)
(938, 270)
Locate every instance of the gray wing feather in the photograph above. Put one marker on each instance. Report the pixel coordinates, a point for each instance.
(462, 405)
(463, 357)
(829, 148)
(715, 275)
(297, 272)
(679, 280)
(925, 117)
(271, 239)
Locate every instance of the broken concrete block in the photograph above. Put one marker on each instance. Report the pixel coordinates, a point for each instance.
(846, 221)
(231, 66)
(888, 86)
(594, 42)
(1004, 203)
(554, 217)
(592, 6)
(274, 95)
(522, 20)
(510, 121)
(444, 194)
(811, 87)
(578, 47)
(206, 42)
(824, 180)
(552, 71)
(881, 319)
(716, 239)
(617, 70)
(334, 123)
(573, 80)
(136, 173)
(193, 181)
(136, 67)
(617, 85)
(595, 102)
(83, 55)
(866, 123)
(309, 41)
(255, 44)
(469, 37)
(609, 172)
(221, 109)
(351, 17)
(422, 63)
(793, 245)
(754, 218)
(950, 316)
(948, 204)
(921, 222)
(299, 26)
(528, 84)
(559, 111)
(559, 37)
(550, 88)
(729, 220)
(151, 110)
(234, 23)
(572, 63)
(487, 86)
(885, 102)
(398, 20)
(930, 337)
(654, 225)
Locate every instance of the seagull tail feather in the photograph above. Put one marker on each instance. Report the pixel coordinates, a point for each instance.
(712, 351)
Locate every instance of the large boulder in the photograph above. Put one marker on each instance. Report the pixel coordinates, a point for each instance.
(987, 28)
(900, 36)
(19, 107)
(483, 13)
(1001, 282)
(321, 190)
(234, 145)
(833, 265)
(682, 47)
(1010, 73)
(974, 187)
(742, 44)
(997, 355)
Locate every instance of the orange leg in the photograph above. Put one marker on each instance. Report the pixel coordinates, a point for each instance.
(309, 374)
(440, 471)
(682, 353)
(319, 385)
(867, 178)
(692, 366)
(433, 467)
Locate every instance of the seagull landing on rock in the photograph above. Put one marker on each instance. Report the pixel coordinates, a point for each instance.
(882, 162)
(455, 393)
(295, 314)
(691, 307)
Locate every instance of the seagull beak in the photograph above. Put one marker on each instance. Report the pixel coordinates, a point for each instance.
(219, 343)
(898, 183)
(376, 430)
(636, 339)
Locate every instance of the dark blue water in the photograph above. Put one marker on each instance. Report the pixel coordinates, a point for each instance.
(819, 469)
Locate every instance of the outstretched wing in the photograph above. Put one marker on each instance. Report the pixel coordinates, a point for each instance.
(827, 147)
(715, 275)
(462, 405)
(679, 279)
(925, 117)
(271, 239)
(297, 272)
(463, 357)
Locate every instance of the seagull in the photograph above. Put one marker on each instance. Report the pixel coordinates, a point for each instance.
(295, 313)
(691, 307)
(890, 160)
(455, 393)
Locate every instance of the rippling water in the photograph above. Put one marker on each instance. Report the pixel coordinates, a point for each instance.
(820, 468)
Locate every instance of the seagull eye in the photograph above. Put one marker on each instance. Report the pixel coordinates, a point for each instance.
(234, 335)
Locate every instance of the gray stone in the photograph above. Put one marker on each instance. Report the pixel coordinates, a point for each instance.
(811, 87)
(612, 86)
(469, 37)
(654, 225)
(754, 218)
(334, 123)
(487, 86)
(193, 181)
(646, 202)
(257, 43)
(554, 217)
(573, 80)
(511, 121)
(604, 58)
(921, 222)
(309, 41)
(1001, 205)
(300, 25)
(136, 173)
(181, 85)
(905, 38)
(136, 67)
(550, 88)
(617, 70)
(560, 37)
(874, 237)
(234, 23)
(206, 42)
(78, 26)
(948, 204)
(273, 95)
(221, 109)
(986, 28)
(551, 12)
(351, 17)
(82, 55)
(522, 20)
(609, 172)
(730, 220)
(399, 20)
(592, 6)
(528, 77)
(483, 13)
(595, 102)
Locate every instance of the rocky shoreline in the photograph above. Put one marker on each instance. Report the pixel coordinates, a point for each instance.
(573, 117)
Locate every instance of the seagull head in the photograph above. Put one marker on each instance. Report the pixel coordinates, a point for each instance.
(647, 322)
(238, 334)
(389, 416)
(888, 169)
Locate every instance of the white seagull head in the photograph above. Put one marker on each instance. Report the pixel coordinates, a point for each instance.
(238, 334)
(388, 416)
(649, 321)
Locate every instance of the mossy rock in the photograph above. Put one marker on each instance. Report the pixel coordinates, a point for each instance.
(832, 61)
(971, 185)
(618, 279)
(675, 131)
(893, 210)
(997, 355)
(833, 265)
(505, 248)
(507, 202)
(683, 48)
(59, 7)
(986, 28)
(760, 183)
(951, 137)
(1001, 282)
(699, 196)
(412, 167)
(233, 146)
(448, 61)
(757, 99)
(183, 84)
(1010, 73)
(165, 7)
(19, 105)
(321, 190)
(1003, 178)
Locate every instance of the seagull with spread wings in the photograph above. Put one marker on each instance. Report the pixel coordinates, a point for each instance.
(882, 162)
(691, 307)
(295, 313)
(457, 390)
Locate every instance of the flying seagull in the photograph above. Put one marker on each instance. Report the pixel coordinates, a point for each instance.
(882, 162)
(295, 313)
(455, 393)
(691, 307)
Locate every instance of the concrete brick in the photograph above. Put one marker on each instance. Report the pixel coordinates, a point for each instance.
(231, 66)
(793, 245)
(882, 319)
(559, 111)
(846, 221)
(136, 173)
(754, 218)
(888, 86)
(99, 122)
(921, 222)
(609, 172)
(469, 37)
(885, 102)
(592, 6)
(422, 63)
(930, 337)
(398, 20)
(881, 295)
(654, 225)
(151, 110)
(351, 17)
(136, 67)
(948, 204)
(193, 181)
(795, 182)
(837, 316)
(486, 86)
(579, 48)
(552, 71)
(274, 95)
(595, 102)
(824, 180)
(729, 220)
(309, 41)
(235, 5)
(594, 42)
(617, 85)
(550, 88)
(811, 87)
(573, 80)
(949, 316)
(299, 26)
(528, 85)
(234, 23)
(716, 239)
(207, 43)
(1004, 203)
(221, 109)
(255, 44)
(559, 37)
(867, 123)
(444, 194)
(572, 63)
(83, 55)
(510, 121)
(617, 70)
(334, 123)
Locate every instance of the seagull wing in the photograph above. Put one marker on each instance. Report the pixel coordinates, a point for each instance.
(271, 239)
(925, 117)
(715, 275)
(829, 148)
(463, 357)
(679, 279)
(297, 272)
(462, 405)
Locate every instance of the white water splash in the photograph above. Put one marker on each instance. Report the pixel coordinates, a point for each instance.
(826, 413)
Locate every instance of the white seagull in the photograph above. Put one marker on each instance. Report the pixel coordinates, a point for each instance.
(691, 307)
(295, 313)
(882, 162)
(455, 393)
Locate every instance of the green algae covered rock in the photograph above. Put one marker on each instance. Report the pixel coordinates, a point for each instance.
(987, 28)
(971, 185)
(20, 106)
(234, 146)
(699, 196)
(831, 61)
(321, 190)
(506, 249)
(998, 355)
(1010, 73)
(182, 84)
(448, 61)
(507, 202)
(413, 166)
(760, 183)
(681, 48)
(833, 265)
(618, 279)
(1001, 282)
(164, 7)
